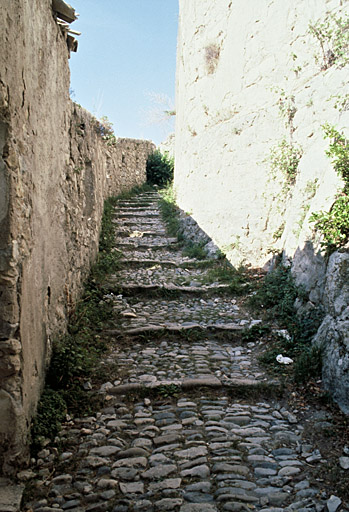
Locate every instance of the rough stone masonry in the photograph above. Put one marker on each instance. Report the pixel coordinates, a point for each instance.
(55, 172)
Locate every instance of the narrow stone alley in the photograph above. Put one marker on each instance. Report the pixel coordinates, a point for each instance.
(190, 420)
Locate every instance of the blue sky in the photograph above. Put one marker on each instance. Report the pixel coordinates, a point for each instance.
(125, 65)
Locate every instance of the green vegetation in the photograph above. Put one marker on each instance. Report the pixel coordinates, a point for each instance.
(159, 168)
(237, 278)
(195, 250)
(334, 225)
(278, 233)
(276, 296)
(284, 157)
(256, 331)
(332, 34)
(50, 414)
(168, 390)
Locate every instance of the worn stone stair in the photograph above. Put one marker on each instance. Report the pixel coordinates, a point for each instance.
(190, 422)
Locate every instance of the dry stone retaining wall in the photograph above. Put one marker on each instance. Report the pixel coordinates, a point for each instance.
(55, 172)
(247, 79)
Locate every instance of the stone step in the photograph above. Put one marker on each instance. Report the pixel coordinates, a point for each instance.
(161, 254)
(137, 211)
(177, 328)
(186, 310)
(209, 381)
(152, 244)
(180, 263)
(126, 232)
(184, 276)
(136, 214)
(172, 359)
(138, 225)
(156, 289)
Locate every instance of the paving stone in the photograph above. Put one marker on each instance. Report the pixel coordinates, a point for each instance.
(198, 507)
(105, 451)
(132, 488)
(202, 471)
(158, 472)
(168, 504)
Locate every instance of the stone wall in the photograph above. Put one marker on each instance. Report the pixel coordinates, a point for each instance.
(55, 172)
(247, 79)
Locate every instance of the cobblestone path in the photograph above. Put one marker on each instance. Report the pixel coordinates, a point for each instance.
(189, 441)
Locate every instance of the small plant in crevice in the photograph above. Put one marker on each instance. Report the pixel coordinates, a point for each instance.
(168, 390)
(284, 157)
(106, 130)
(287, 107)
(277, 294)
(160, 168)
(279, 231)
(334, 224)
(332, 34)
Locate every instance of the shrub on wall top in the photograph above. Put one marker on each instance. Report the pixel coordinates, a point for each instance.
(159, 168)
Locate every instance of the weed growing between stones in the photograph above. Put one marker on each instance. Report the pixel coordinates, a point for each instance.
(277, 296)
(334, 225)
(238, 279)
(194, 250)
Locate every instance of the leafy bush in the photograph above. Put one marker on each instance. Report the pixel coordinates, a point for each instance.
(160, 168)
(334, 225)
(338, 152)
(333, 36)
